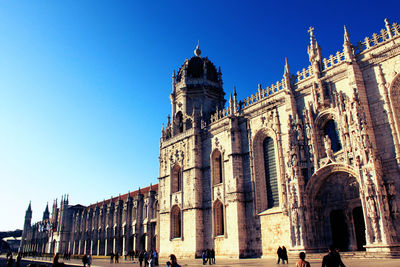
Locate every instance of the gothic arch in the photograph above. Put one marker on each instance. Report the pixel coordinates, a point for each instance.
(394, 96)
(176, 222)
(176, 178)
(219, 218)
(318, 177)
(263, 191)
(217, 167)
(334, 208)
(327, 124)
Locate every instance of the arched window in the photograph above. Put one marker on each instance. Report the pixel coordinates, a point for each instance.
(219, 227)
(179, 122)
(176, 222)
(330, 130)
(144, 211)
(133, 213)
(176, 179)
(271, 179)
(217, 167)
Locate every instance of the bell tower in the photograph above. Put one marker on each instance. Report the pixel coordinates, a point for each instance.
(196, 89)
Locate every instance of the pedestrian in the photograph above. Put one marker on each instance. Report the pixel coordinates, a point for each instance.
(204, 257)
(155, 258)
(284, 255)
(125, 254)
(141, 257)
(10, 261)
(279, 252)
(209, 256)
(213, 255)
(89, 260)
(302, 262)
(111, 257)
(117, 257)
(84, 260)
(146, 259)
(332, 259)
(151, 260)
(173, 261)
(18, 262)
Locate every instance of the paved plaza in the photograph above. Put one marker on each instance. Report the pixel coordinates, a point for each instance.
(349, 262)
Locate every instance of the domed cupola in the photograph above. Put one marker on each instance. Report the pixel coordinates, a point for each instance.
(199, 70)
(197, 88)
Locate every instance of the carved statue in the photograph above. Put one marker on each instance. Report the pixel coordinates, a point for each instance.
(328, 146)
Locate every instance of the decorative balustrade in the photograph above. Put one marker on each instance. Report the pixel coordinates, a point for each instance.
(333, 60)
(304, 74)
(385, 35)
(326, 64)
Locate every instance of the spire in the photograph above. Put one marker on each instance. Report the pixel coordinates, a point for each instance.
(29, 207)
(287, 70)
(314, 50)
(46, 213)
(347, 49)
(346, 35)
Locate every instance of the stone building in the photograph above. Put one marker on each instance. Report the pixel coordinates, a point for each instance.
(124, 223)
(311, 160)
(306, 162)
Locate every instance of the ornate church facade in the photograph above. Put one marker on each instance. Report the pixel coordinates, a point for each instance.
(309, 161)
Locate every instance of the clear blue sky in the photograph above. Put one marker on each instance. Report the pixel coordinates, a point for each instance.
(84, 85)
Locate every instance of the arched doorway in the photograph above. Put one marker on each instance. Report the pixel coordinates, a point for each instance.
(335, 211)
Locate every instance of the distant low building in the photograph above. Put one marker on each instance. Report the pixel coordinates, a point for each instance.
(13, 242)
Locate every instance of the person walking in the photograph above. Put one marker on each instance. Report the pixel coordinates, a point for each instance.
(141, 257)
(204, 257)
(213, 255)
(284, 255)
(117, 257)
(111, 257)
(302, 262)
(89, 260)
(146, 259)
(279, 252)
(332, 259)
(209, 256)
(84, 260)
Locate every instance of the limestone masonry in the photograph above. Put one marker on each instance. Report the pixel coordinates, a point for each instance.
(309, 161)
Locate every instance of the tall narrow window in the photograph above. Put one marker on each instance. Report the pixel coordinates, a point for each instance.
(176, 179)
(330, 130)
(219, 227)
(271, 180)
(144, 211)
(217, 167)
(179, 122)
(176, 222)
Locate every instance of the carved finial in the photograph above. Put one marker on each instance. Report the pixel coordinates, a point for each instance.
(387, 22)
(389, 31)
(150, 186)
(197, 51)
(311, 31)
(234, 91)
